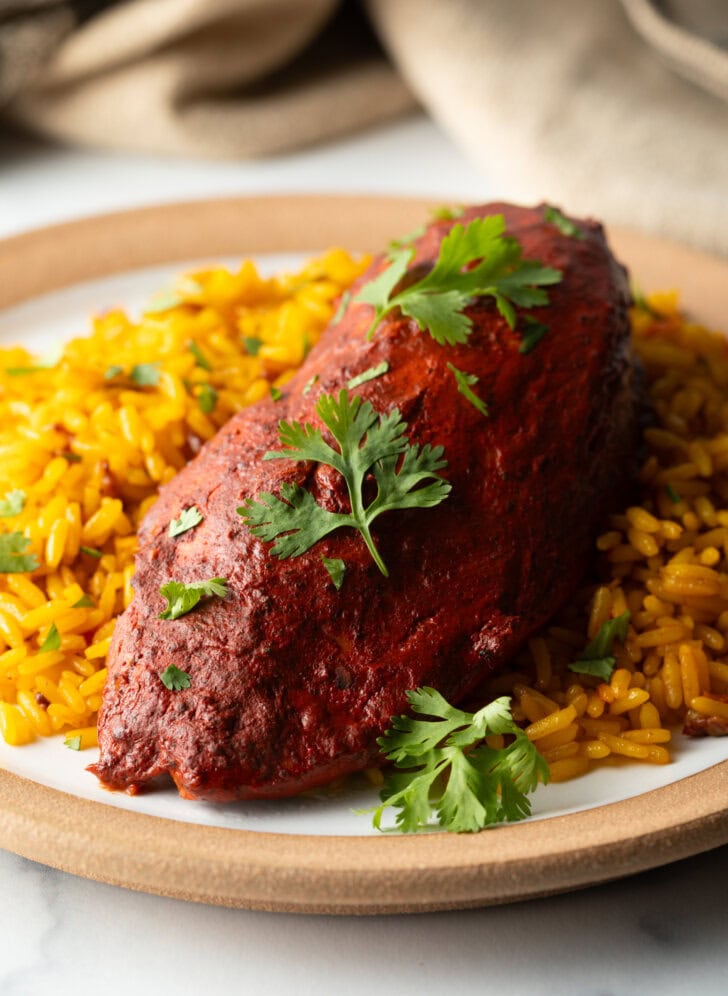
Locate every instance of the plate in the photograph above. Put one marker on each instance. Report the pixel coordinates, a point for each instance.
(312, 854)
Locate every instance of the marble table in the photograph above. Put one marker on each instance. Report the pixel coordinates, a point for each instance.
(661, 932)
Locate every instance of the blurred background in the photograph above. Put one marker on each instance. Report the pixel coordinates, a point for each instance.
(612, 108)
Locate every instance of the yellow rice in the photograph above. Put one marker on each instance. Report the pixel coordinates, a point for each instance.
(662, 559)
(90, 451)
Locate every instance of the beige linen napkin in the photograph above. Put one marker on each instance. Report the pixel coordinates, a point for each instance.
(615, 108)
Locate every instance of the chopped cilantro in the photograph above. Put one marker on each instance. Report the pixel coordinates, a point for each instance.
(275, 392)
(408, 239)
(309, 384)
(597, 659)
(369, 443)
(13, 558)
(73, 742)
(207, 398)
(336, 568)
(466, 382)
(23, 371)
(565, 225)
(200, 358)
(534, 333)
(366, 375)
(112, 372)
(672, 494)
(343, 305)
(182, 598)
(443, 764)
(52, 640)
(12, 504)
(85, 602)
(91, 552)
(145, 374)
(476, 261)
(446, 212)
(71, 456)
(189, 518)
(175, 679)
(252, 345)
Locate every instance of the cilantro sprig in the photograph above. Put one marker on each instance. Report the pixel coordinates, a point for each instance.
(175, 679)
(474, 261)
(13, 558)
(443, 764)
(597, 658)
(369, 443)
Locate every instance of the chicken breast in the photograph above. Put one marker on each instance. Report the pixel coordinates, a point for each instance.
(292, 680)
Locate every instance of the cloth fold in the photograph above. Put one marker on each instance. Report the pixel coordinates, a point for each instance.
(616, 108)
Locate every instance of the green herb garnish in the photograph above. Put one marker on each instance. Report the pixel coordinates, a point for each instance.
(200, 358)
(368, 443)
(565, 225)
(13, 558)
(113, 371)
(73, 742)
(443, 764)
(91, 552)
(52, 640)
(309, 384)
(337, 569)
(597, 659)
(145, 374)
(476, 261)
(175, 679)
(12, 504)
(84, 602)
(534, 333)
(672, 494)
(207, 398)
(275, 392)
(466, 382)
(189, 518)
(343, 305)
(23, 371)
(252, 345)
(366, 375)
(182, 598)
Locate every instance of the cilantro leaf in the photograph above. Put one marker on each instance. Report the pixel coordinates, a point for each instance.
(200, 358)
(446, 212)
(474, 261)
(465, 382)
(175, 679)
(597, 658)
(337, 569)
(145, 374)
(12, 504)
(207, 399)
(189, 518)
(535, 331)
(74, 743)
(366, 375)
(275, 392)
(13, 559)
(309, 384)
(182, 598)
(252, 345)
(565, 225)
(84, 602)
(368, 443)
(52, 640)
(408, 239)
(23, 371)
(113, 371)
(443, 764)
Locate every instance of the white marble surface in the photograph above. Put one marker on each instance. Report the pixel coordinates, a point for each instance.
(661, 932)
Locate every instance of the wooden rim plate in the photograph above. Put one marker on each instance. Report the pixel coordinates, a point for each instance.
(338, 874)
